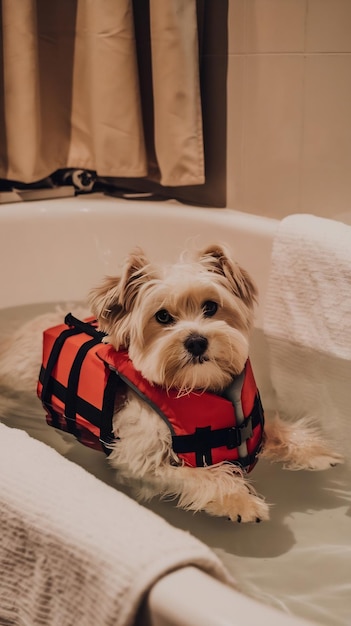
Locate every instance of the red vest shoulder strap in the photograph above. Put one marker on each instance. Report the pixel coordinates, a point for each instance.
(182, 413)
(203, 425)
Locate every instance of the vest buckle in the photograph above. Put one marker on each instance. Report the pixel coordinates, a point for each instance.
(233, 438)
(246, 429)
(238, 434)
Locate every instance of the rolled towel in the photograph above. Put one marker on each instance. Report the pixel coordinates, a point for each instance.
(307, 322)
(74, 550)
(309, 291)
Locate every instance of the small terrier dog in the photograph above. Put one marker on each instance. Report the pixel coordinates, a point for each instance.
(187, 328)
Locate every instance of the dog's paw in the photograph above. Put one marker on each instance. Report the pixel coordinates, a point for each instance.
(241, 506)
(249, 509)
(324, 461)
(317, 459)
(298, 445)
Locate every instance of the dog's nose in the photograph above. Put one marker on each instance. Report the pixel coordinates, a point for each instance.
(196, 344)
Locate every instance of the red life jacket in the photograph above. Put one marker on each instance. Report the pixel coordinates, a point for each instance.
(83, 381)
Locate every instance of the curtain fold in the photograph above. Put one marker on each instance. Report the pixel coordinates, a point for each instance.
(106, 118)
(21, 115)
(173, 37)
(73, 95)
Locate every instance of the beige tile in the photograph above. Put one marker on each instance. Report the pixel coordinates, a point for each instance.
(236, 26)
(272, 133)
(328, 27)
(275, 25)
(326, 154)
(235, 121)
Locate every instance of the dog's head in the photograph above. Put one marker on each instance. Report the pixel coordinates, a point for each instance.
(185, 325)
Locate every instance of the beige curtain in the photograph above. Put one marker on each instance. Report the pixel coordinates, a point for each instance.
(106, 85)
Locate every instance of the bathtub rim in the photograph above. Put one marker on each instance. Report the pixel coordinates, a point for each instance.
(251, 236)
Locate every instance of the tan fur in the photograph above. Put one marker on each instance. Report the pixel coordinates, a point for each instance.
(127, 308)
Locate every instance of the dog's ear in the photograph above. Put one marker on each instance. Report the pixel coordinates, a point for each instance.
(216, 258)
(115, 297)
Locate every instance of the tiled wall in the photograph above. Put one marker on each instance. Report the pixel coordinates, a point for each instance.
(289, 106)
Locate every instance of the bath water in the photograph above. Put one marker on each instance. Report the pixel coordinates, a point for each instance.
(299, 561)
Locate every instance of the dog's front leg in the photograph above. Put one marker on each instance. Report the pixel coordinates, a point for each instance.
(219, 490)
(144, 454)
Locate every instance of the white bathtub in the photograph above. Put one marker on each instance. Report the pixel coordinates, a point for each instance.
(55, 251)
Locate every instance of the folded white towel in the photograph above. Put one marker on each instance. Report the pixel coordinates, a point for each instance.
(309, 292)
(74, 550)
(307, 322)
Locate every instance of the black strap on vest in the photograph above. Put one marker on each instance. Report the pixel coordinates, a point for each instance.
(84, 327)
(69, 396)
(203, 440)
(107, 437)
(73, 380)
(46, 374)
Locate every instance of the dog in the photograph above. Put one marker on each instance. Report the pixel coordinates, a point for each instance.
(187, 329)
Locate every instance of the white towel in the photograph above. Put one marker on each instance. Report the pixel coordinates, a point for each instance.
(309, 292)
(307, 320)
(74, 550)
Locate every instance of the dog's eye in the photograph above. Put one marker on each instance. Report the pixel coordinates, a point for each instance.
(209, 308)
(163, 317)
